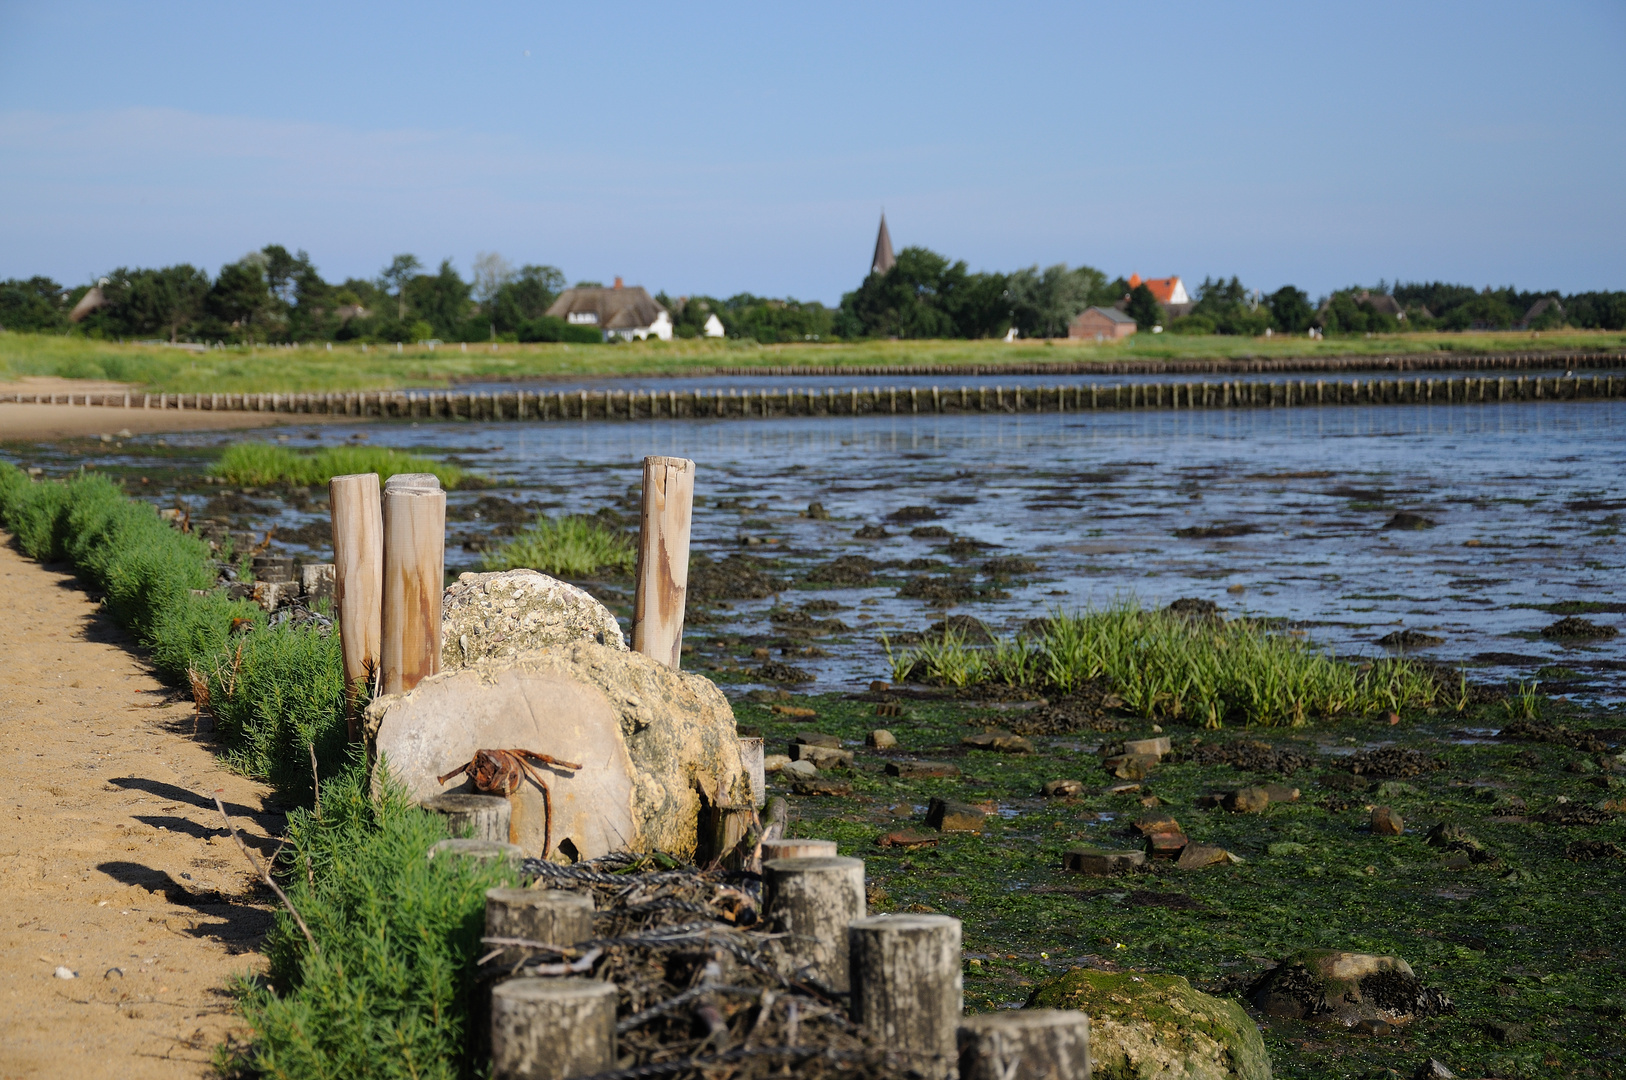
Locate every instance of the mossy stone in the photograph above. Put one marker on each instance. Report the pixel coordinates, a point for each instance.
(1146, 1026)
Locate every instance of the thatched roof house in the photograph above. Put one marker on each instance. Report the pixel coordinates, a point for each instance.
(619, 311)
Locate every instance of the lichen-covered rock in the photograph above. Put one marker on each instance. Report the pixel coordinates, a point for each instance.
(652, 742)
(1345, 988)
(1156, 1027)
(486, 616)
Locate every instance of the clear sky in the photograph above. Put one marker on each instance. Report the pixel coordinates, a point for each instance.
(751, 147)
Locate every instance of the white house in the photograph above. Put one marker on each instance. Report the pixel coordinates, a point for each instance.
(619, 311)
(713, 327)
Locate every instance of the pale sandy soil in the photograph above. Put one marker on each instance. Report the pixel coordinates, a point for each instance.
(113, 862)
(30, 421)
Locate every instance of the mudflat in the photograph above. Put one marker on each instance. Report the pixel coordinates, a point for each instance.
(114, 863)
(32, 421)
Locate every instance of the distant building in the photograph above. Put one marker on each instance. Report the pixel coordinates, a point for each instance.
(1100, 324)
(1382, 303)
(713, 326)
(1169, 292)
(884, 260)
(1540, 308)
(89, 302)
(618, 311)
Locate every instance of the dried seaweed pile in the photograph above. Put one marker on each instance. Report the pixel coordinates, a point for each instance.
(705, 988)
(1090, 707)
(1249, 756)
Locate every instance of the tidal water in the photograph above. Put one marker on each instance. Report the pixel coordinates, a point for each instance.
(1277, 513)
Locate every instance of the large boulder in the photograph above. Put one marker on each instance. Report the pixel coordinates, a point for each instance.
(655, 745)
(1345, 988)
(1156, 1027)
(486, 616)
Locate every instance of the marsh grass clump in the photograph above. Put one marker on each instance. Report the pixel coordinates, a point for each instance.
(1165, 666)
(256, 464)
(387, 991)
(566, 547)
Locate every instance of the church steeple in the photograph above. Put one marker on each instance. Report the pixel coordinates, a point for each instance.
(884, 259)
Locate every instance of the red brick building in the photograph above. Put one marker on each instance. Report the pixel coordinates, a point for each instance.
(1100, 324)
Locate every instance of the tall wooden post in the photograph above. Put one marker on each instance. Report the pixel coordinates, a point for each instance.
(414, 579)
(358, 581)
(663, 559)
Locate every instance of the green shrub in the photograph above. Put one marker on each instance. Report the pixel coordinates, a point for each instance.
(552, 328)
(264, 464)
(567, 547)
(387, 995)
(1170, 667)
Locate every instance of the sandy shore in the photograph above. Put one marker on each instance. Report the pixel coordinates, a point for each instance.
(112, 862)
(30, 421)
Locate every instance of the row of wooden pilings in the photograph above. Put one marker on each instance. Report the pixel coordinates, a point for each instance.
(901, 975)
(543, 406)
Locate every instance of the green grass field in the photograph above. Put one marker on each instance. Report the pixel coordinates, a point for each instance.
(314, 368)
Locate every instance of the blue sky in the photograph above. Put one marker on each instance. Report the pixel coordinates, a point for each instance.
(724, 148)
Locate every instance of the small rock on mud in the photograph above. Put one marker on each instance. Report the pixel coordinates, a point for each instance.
(1572, 627)
(1406, 519)
(1409, 639)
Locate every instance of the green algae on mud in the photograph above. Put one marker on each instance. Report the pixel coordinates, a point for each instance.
(1534, 938)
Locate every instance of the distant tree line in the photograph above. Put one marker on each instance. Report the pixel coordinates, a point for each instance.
(274, 296)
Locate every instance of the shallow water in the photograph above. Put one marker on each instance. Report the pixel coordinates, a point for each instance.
(1537, 489)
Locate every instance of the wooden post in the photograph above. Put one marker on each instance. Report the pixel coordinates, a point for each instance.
(358, 581)
(1049, 1043)
(813, 900)
(552, 1029)
(906, 986)
(551, 916)
(663, 559)
(483, 817)
(414, 579)
(781, 848)
(753, 755)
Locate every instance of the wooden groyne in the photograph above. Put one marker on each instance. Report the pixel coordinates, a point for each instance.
(542, 406)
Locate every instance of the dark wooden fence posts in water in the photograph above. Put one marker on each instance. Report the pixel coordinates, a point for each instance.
(358, 581)
(414, 580)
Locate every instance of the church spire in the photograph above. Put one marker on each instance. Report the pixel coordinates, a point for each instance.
(884, 259)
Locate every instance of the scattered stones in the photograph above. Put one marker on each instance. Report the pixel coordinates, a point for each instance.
(773, 763)
(815, 738)
(816, 511)
(1409, 639)
(1250, 756)
(765, 696)
(1158, 747)
(1009, 566)
(1281, 792)
(822, 757)
(1100, 861)
(822, 786)
(1392, 761)
(906, 838)
(502, 615)
(1456, 840)
(1148, 824)
(969, 629)
(1248, 800)
(1158, 1025)
(1587, 850)
(1345, 988)
(1393, 789)
(871, 532)
(799, 770)
(797, 712)
(948, 815)
(779, 671)
(737, 577)
(1406, 519)
(1433, 1069)
(1197, 856)
(1000, 741)
(1130, 766)
(930, 532)
(1385, 822)
(1167, 845)
(1088, 708)
(1061, 789)
(1505, 1033)
(888, 708)
(1572, 627)
(913, 513)
(881, 739)
(922, 770)
(847, 570)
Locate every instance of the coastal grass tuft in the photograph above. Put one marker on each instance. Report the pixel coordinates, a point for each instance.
(387, 992)
(1166, 666)
(255, 464)
(566, 547)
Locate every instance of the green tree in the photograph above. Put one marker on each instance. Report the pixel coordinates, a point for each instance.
(164, 301)
(1043, 305)
(395, 277)
(1290, 310)
(526, 297)
(241, 298)
(32, 306)
(441, 299)
(1144, 308)
(926, 296)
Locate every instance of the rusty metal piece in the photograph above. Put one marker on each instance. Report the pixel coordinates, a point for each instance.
(501, 772)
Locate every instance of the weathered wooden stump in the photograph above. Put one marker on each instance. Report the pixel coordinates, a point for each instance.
(552, 1029)
(1041, 1044)
(484, 850)
(797, 849)
(906, 985)
(551, 916)
(754, 756)
(814, 899)
(482, 817)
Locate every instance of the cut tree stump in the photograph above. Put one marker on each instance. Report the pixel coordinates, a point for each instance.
(1047, 1044)
(906, 986)
(814, 899)
(482, 817)
(552, 1029)
(551, 916)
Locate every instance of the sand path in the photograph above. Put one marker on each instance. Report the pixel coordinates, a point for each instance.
(31, 421)
(112, 859)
